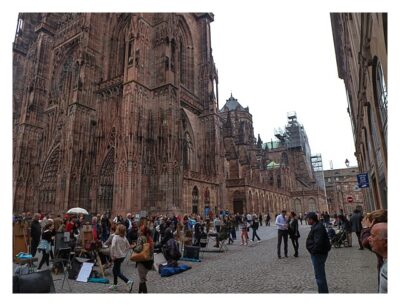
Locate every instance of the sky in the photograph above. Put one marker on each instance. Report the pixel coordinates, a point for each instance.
(274, 66)
(274, 56)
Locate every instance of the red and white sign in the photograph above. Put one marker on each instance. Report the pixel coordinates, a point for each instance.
(349, 199)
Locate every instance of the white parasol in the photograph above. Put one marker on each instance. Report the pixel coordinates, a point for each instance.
(77, 210)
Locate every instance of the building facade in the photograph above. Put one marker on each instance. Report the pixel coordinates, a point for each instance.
(120, 112)
(342, 190)
(360, 41)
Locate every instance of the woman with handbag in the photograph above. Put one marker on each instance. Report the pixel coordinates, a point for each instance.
(119, 249)
(45, 244)
(143, 254)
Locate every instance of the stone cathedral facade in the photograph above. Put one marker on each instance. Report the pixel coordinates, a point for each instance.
(120, 112)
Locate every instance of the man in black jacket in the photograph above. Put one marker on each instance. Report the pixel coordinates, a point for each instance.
(318, 245)
(36, 232)
(356, 227)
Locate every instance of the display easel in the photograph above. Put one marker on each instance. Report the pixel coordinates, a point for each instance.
(86, 237)
(20, 238)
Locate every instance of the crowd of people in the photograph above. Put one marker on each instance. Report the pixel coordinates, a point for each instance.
(117, 235)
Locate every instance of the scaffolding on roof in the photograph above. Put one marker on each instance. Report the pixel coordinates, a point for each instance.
(316, 162)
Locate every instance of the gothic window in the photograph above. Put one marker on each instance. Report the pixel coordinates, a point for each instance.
(278, 180)
(106, 188)
(195, 200)
(185, 56)
(271, 179)
(207, 198)
(297, 206)
(20, 27)
(173, 55)
(117, 51)
(187, 151)
(250, 206)
(312, 205)
(380, 91)
(84, 193)
(49, 182)
(182, 61)
(284, 160)
(63, 83)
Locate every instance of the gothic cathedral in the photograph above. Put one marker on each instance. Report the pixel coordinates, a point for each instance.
(119, 112)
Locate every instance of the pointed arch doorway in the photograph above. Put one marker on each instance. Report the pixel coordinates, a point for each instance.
(238, 202)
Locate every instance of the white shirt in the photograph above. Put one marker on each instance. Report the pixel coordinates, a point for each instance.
(280, 222)
(119, 246)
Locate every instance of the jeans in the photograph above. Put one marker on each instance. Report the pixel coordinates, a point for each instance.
(34, 245)
(255, 235)
(284, 234)
(45, 259)
(318, 261)
(295, 242)
(117, 270)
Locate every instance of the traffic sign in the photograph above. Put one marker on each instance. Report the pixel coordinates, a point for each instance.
(349, 199)
(362, 180)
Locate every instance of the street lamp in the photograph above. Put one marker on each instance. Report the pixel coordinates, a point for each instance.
(347, 163)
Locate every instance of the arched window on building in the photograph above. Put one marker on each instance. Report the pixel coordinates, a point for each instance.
(271, 180)
(250, 206)
(380, 92)
(297, 206)
(312, 205)
(284, 160)
(207, 198)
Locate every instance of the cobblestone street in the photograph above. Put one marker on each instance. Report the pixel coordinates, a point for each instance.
(253, 269)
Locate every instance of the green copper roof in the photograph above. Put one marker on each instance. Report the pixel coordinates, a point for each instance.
(273, 165)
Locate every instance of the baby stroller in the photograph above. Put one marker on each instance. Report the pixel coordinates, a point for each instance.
(339, 239)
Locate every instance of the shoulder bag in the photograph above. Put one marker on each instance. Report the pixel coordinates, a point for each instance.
(144, 255)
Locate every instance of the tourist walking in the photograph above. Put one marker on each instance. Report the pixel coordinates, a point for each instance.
(45, 244)
(294, 232)
(254, 227)
(144, 266)
(345, 225)
(118, 251)
(244, 236)
(318, 245)
(356, 227)
(281, 224)
(268, 220)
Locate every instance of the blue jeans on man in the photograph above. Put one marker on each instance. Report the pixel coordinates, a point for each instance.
(318, 261)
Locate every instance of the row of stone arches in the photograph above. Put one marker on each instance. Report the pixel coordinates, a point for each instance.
(309, 204)
(258, 202)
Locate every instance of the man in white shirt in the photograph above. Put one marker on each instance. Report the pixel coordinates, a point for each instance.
(281, 224)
